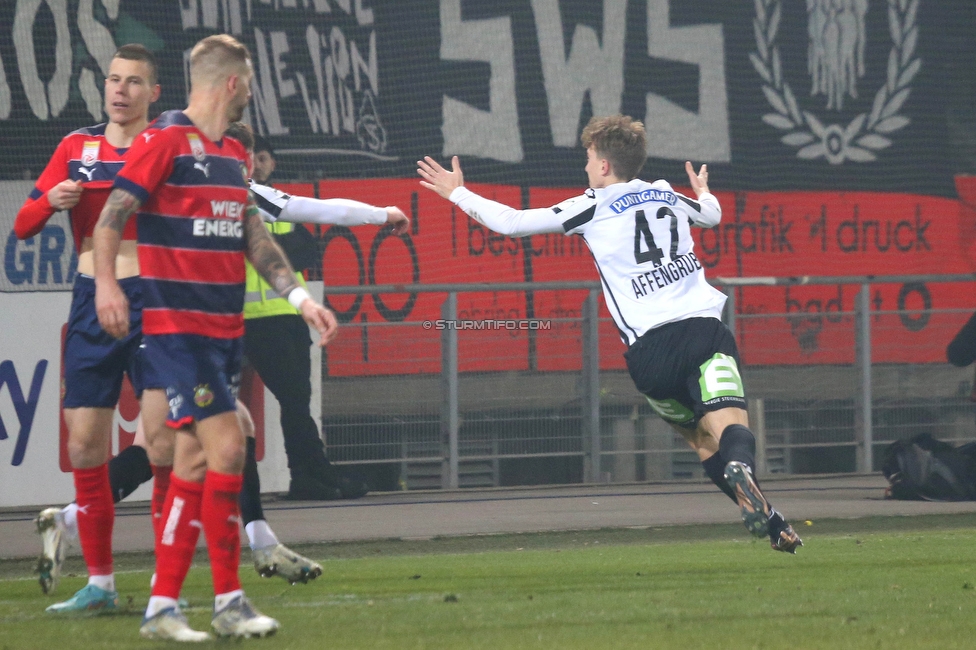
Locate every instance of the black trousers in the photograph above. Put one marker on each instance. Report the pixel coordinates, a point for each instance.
(277, 347)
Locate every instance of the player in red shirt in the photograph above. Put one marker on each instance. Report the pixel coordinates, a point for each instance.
(196, 223)
(78, 178)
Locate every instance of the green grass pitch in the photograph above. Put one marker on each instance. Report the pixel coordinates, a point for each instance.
(871, 583)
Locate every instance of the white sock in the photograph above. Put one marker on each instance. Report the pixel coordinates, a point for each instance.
(158, 604)
(223, 600)
(103, 582)
(260, 535)
(69, 515)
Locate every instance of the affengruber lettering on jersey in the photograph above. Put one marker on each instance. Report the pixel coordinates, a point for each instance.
(661, 282)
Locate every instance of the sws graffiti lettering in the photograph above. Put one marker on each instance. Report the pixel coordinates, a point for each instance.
(47, 99)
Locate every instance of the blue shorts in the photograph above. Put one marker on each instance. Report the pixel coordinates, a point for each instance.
(201, 375)
(93, 360)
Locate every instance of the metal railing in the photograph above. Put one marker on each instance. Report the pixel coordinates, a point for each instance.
(608, 425)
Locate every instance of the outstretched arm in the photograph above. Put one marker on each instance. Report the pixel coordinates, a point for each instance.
(496, 216)
(342, 212)
(278, 206)
(110, 302)
(270, 262)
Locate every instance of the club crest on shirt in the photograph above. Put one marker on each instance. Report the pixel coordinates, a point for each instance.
(203, 396)
(196, 146)
(89, 153)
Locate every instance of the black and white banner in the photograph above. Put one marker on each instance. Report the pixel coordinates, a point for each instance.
(822, 94)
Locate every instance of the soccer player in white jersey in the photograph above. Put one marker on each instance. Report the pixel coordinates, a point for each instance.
(680, 354)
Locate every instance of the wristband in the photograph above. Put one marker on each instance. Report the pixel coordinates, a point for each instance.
(297, 296)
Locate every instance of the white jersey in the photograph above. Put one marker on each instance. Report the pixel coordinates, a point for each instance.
(275, 205)
(640, 237)
(270, 202)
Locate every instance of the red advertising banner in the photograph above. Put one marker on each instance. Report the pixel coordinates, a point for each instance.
(829, 233)
(762, 234)
(832, 233)
(442, 246)
(558, 257)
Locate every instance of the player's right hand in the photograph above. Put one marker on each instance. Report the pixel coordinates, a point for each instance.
(396, 218)
(112, 308)
(65, 195)
(322, 319)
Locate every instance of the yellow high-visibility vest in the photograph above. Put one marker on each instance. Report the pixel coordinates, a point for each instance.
(260, 299)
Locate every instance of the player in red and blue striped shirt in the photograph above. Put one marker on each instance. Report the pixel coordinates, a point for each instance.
(193, 192)
(78, 178)
(196, 223)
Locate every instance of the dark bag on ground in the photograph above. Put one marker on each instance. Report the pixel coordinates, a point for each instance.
(923, 468)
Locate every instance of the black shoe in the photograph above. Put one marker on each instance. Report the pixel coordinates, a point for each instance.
(782, 537)
(317, 466)
(352, 484)
(308, 488)
(754, 508)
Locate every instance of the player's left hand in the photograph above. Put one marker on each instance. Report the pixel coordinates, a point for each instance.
(699, 181)
(396, 218)
(322, 319)
(437, 178)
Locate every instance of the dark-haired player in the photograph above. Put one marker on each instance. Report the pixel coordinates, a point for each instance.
(78, 178)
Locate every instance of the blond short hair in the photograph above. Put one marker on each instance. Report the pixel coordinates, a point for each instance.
(621, 140)
(218, 57)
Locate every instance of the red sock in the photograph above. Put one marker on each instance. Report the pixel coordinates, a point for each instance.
(96, 516)
(160, 488)
(221, 518)
(178, 536)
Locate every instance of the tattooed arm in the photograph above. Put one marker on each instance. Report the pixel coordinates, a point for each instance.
(265, 255)
(110, 303)
(270, 262)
